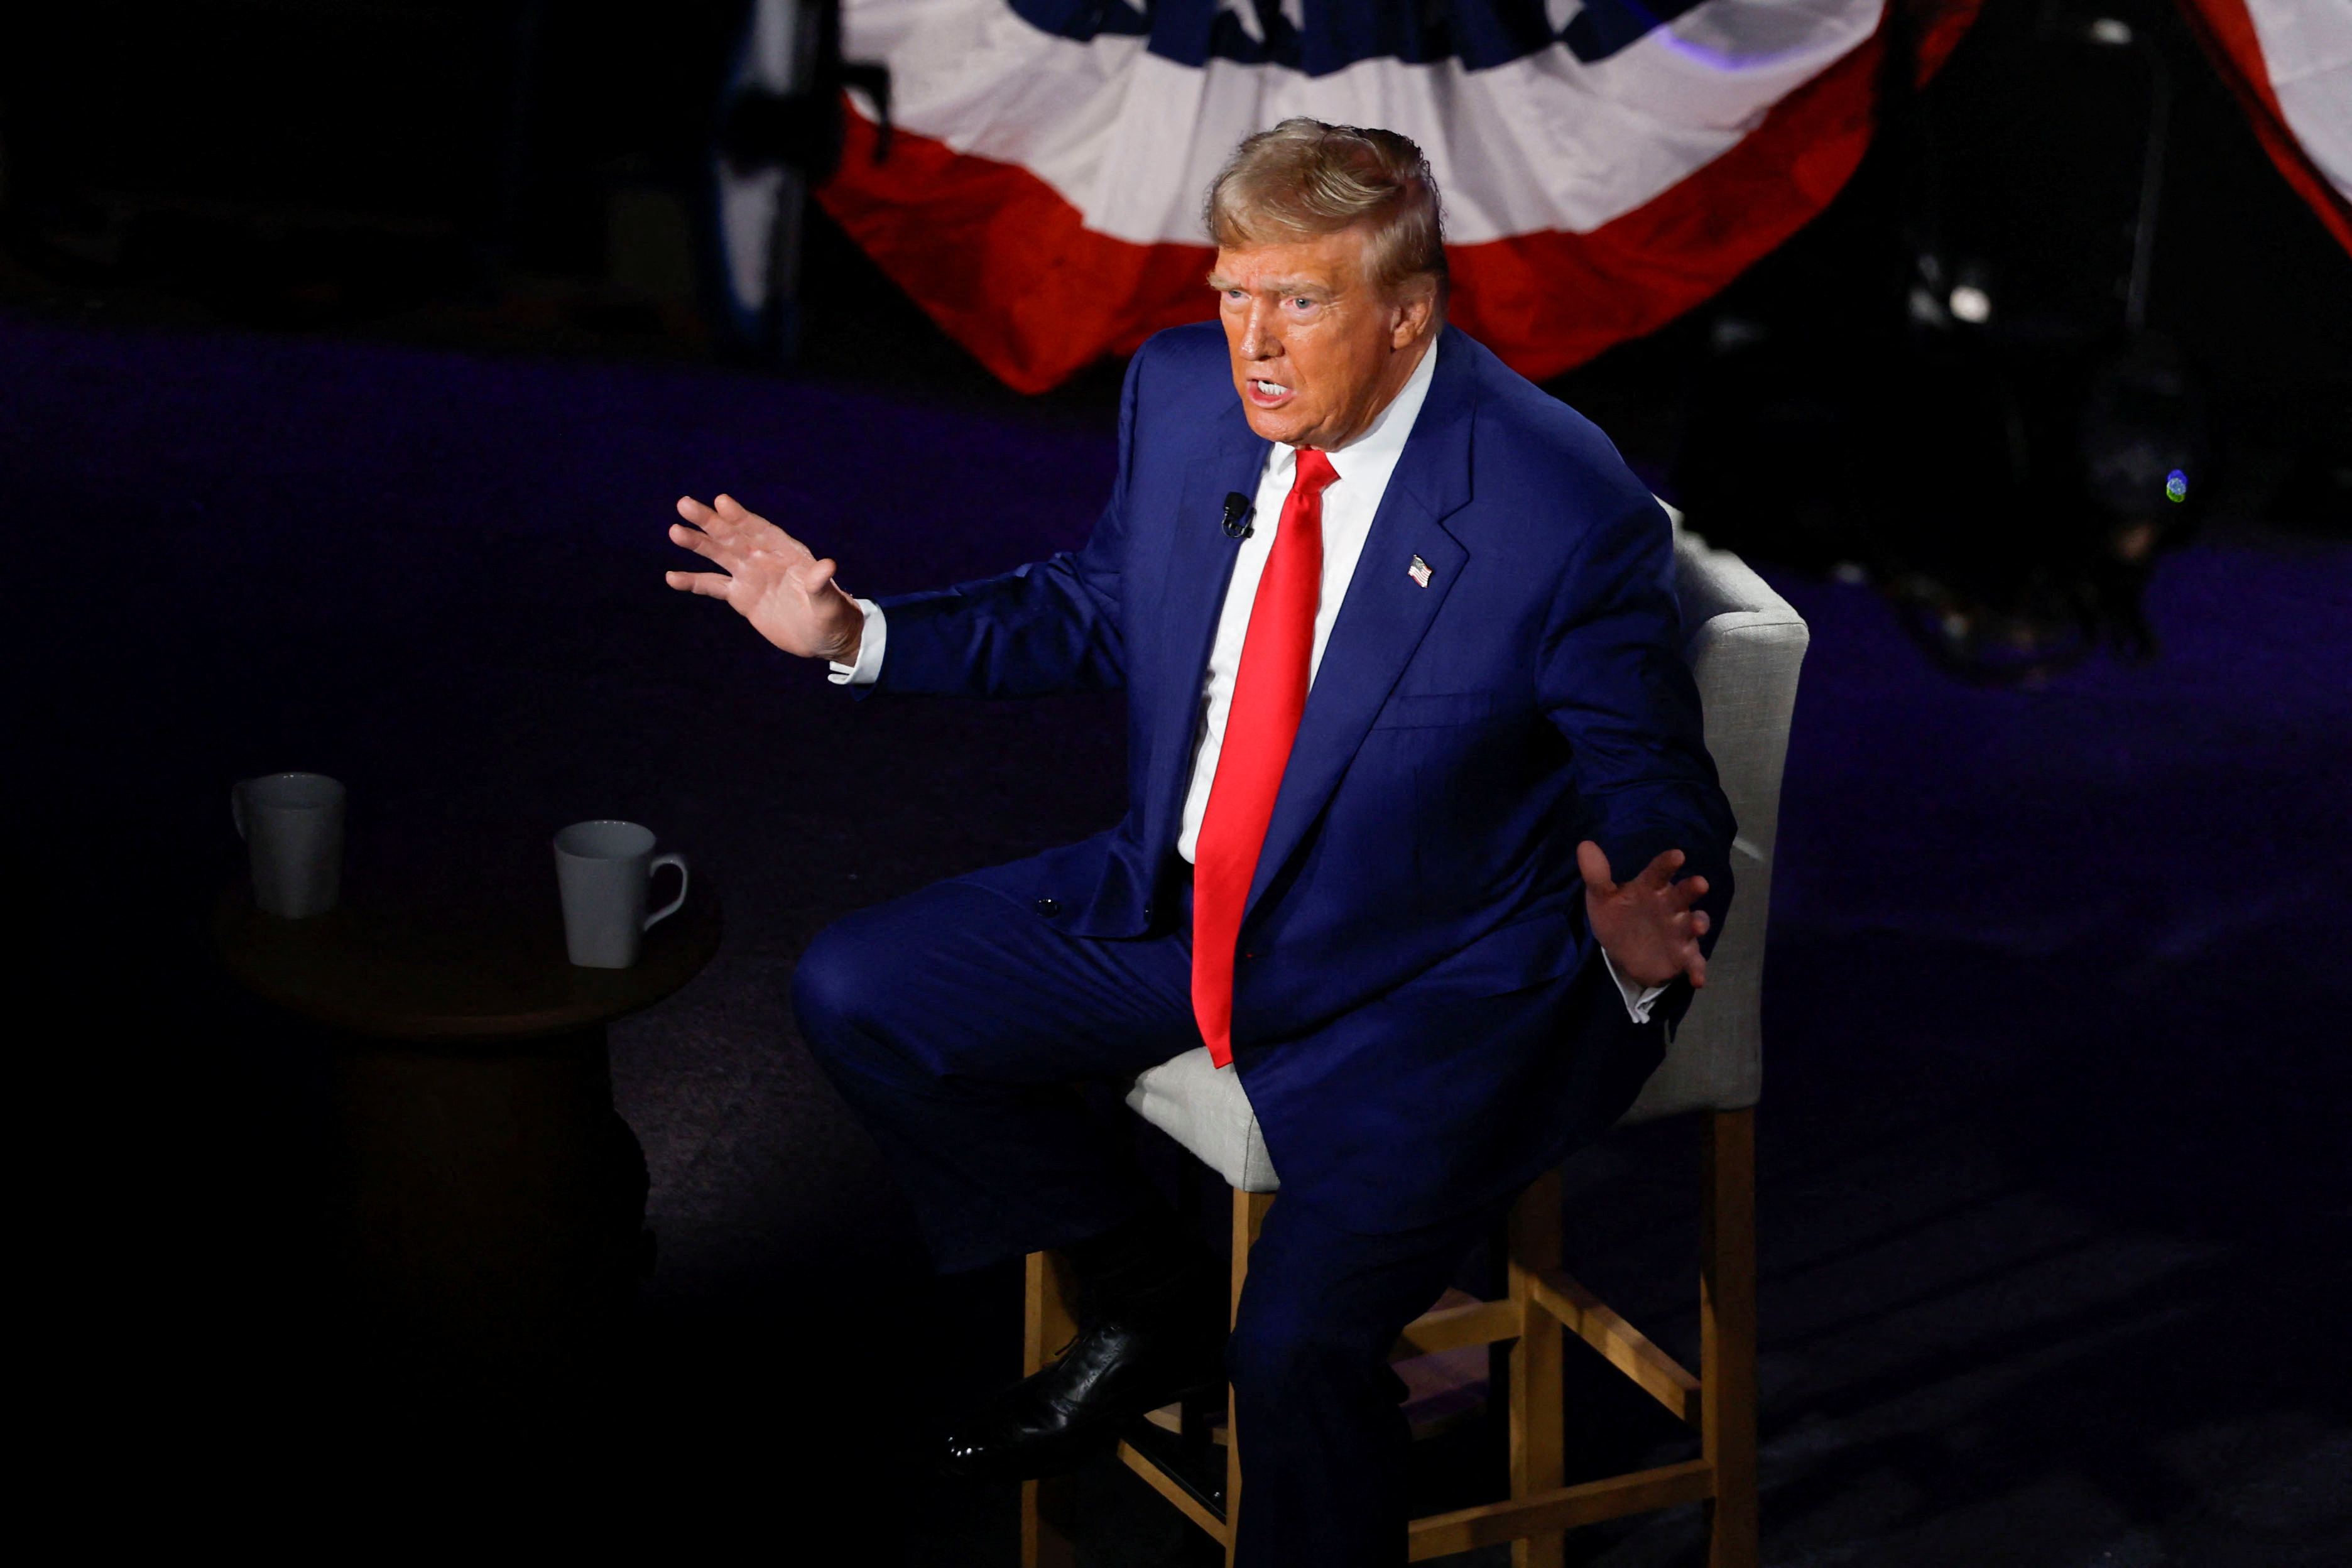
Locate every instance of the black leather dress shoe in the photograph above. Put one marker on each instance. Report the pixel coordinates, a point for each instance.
(1113, 1373)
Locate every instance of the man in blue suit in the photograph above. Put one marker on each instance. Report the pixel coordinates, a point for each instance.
(1413, 762)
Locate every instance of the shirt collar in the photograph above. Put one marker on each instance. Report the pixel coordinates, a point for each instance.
(1382, 442)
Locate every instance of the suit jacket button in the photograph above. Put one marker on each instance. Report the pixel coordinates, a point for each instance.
(1049, 908)
(1146, 914)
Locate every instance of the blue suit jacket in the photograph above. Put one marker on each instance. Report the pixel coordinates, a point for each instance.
(1421, 1017)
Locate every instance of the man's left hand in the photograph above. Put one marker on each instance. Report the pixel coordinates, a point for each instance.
(1647, 926)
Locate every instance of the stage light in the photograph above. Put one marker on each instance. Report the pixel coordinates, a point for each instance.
(1732, 333)
(1971, 304)
(2112, 31)
(2176, 486)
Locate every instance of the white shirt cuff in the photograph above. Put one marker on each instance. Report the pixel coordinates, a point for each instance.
(1638, 998)
(869, 668)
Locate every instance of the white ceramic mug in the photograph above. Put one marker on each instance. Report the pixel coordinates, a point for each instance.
(605, 869)
(292, 825)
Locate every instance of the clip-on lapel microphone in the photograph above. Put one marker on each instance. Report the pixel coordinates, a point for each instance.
(1237, 513)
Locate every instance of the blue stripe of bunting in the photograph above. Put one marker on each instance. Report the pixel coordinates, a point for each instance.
(1481, 34)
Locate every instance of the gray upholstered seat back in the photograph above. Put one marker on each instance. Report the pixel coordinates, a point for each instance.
(1745, 646)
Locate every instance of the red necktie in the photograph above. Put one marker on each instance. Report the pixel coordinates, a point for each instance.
(1269, 694)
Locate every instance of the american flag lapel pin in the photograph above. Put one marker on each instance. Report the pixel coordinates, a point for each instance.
(1418, 571)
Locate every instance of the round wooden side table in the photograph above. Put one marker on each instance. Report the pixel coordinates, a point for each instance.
(495, 1199)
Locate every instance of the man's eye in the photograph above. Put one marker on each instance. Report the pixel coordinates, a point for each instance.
(1304, 303)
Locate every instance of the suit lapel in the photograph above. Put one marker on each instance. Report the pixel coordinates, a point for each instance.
(1386, 612)
(1200, 565)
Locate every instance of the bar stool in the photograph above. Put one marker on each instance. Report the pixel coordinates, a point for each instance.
(1745, 646)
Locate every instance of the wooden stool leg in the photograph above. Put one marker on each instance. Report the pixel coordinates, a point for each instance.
(1727, 1333)
(1048, 1325)
(1538, 1460)
(1249, 1218)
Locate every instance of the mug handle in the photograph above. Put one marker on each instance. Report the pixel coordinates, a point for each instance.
(237, 806)
(656, 864)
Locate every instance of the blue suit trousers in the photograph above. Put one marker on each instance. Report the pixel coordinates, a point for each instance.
(956, 1024)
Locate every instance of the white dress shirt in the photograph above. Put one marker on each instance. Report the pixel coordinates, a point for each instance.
(1350, 503)
(1363, 466)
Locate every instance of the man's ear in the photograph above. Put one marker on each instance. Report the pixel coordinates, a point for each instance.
(1413, 315)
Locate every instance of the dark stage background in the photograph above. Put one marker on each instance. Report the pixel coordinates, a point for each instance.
(2054, 1190)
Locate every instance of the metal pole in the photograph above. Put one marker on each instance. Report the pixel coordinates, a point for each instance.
(2151, 188)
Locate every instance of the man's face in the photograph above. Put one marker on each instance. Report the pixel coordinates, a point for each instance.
(1317, 350)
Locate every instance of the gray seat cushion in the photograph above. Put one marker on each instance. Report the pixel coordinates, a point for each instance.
(1201, 1106)
(1746, 647)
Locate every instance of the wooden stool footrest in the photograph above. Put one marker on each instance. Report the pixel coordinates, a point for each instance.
(1167, 1477)
(1621, 1344)
(1548, 1513)
(1457, 1328)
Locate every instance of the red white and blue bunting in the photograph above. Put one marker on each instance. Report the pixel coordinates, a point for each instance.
(1607, 164)
(2290, 63)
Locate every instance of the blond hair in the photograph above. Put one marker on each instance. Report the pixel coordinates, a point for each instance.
(1304, 179)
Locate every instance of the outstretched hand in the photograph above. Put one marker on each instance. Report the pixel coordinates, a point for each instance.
(772, 579)
(1647, 926)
